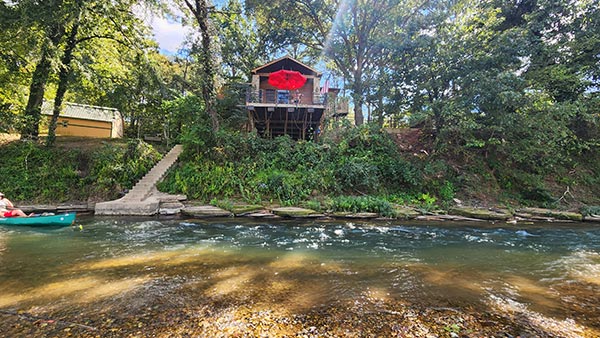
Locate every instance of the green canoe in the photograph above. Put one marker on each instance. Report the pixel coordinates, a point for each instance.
(55, 220)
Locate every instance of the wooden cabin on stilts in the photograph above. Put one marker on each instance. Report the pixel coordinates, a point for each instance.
(285, 99)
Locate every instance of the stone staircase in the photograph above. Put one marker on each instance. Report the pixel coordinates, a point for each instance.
(143, 188)
(143, 199)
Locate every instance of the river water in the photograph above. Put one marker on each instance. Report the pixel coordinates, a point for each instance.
(230, 277)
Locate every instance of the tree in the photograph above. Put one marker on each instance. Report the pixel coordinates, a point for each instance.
(56, 28)
(299, 27)
(200, 10)
(355, 43)
(15, 55)
(51, 21)
(351, 34)
(241, 47)
(91, 21)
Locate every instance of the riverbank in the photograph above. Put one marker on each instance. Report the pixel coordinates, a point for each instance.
(194, 209)
(324, 183)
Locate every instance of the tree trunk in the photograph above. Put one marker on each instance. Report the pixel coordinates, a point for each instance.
(63, 81)
(358, 116)
(200, 10)
(380, 116)
(208, 87)
(33, 111)
(31, 121)
(358, 99)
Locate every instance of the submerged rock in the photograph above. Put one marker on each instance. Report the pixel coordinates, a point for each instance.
(356, 215)
(296, 212)
(205, 211)
(244, 209)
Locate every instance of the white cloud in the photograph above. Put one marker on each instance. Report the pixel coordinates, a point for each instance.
(169, 34)
(168, 31)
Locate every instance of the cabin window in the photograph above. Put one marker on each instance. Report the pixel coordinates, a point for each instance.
(270, 96)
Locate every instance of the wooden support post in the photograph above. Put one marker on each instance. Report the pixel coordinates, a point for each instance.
(250, 121)
(268, 127)
(304, 125)
(310, 123)
(286, 122)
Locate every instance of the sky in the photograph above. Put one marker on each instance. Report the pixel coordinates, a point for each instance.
(169, 33)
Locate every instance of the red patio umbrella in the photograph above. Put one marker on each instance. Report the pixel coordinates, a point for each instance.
(287, 79)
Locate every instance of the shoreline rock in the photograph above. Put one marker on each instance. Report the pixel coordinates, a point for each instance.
(479, 213)
(556, 214)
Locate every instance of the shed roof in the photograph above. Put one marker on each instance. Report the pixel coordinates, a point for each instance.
(287, 63)
(83, 111)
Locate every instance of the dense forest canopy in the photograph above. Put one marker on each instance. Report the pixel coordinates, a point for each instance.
(512, 82)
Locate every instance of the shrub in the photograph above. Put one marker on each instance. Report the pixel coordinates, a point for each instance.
(51, 175)
(203, 180)
(361, 204)
(37, 174)
(114, 168)
(446, 191)
(357, 175)
(287, 187)
(363, 160)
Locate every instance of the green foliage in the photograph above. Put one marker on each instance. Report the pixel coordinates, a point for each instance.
(188, 122)
(233, 164)
(454, 328)
(426, 202)
(223, 204)
(360, 204)
(114, 169)
(357, 175)
(288, 187)
(313, 205)
(240, 46)
(48, 175)
(34, 173)
(446, 191)
(400, 198)
(367, 160)
(203, 180)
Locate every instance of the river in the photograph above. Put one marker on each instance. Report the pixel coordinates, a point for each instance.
(126, 277)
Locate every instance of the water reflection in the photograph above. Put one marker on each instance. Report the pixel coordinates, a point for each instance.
(535, 278)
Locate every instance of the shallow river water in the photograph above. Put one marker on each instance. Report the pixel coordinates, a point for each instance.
(120, 277)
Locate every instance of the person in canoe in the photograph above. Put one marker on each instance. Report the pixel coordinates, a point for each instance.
(7, 209)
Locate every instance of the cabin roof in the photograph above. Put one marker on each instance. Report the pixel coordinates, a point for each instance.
(83, 111)
(287, 63)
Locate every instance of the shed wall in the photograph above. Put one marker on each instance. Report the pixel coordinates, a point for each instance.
(68, 126)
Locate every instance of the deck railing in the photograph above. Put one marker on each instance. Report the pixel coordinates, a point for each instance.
(283, 97)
